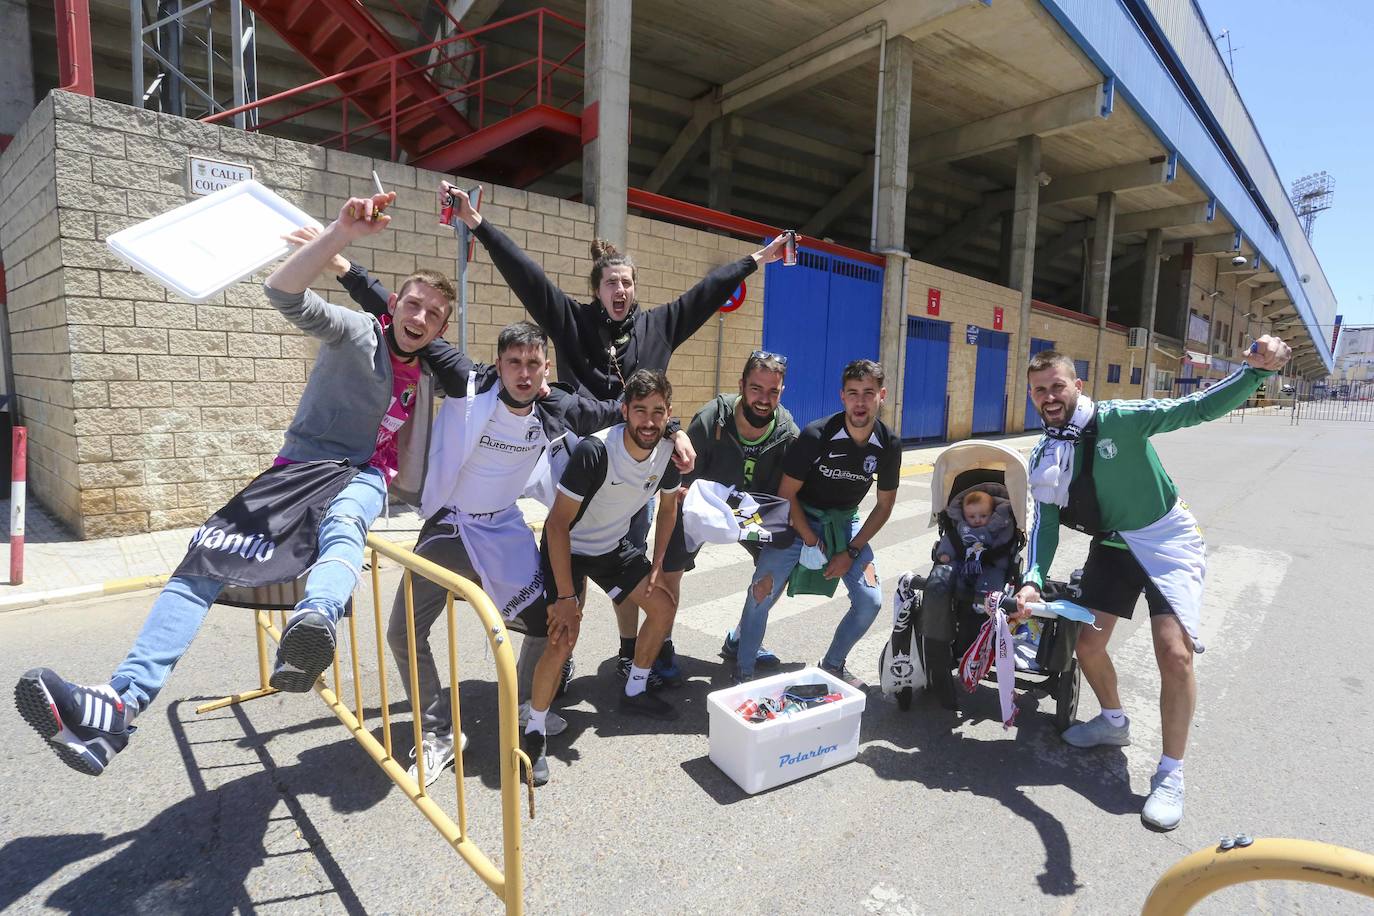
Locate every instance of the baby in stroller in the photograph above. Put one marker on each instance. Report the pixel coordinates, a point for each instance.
(979, 543)
(983, 524)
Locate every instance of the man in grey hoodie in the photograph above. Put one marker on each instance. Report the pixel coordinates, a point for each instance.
(349, 440)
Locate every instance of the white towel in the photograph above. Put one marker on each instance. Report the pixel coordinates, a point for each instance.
(1174, 556)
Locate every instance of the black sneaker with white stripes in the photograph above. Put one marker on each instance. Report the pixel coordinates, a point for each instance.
(306, 649)
(622, 671)
(84, 726)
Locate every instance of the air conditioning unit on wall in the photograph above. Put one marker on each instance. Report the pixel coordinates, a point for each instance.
(1135, 338)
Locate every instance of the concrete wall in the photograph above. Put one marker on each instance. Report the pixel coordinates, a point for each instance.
(148, 412)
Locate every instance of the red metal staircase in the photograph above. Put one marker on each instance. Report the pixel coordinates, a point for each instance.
(403, 101)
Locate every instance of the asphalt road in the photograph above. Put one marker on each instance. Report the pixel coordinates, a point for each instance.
(271, 807)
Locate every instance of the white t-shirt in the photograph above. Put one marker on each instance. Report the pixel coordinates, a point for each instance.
(495, 473)
(612, 486)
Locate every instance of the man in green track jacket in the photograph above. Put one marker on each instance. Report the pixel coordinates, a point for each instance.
(1096, 471)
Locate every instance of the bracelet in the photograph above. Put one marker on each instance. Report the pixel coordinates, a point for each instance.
(566, 597)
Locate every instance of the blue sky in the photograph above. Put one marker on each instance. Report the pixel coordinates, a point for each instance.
(1305, 71)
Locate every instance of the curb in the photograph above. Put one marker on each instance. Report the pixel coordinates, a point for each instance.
(79, 592)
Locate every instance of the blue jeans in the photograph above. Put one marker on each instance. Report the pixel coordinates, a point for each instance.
(180, 609)
(864, 601)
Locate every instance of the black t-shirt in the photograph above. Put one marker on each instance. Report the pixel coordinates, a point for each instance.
(836, 471)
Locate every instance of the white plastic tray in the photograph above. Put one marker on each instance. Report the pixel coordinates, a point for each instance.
(204, 246)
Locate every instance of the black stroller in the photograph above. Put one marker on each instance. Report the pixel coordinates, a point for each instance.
(937, 617)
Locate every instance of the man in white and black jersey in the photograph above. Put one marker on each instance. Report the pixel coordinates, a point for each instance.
(609, 478)
(495, 438)
(827, 472)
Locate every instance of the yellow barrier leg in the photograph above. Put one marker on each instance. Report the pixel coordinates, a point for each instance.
(261, 625)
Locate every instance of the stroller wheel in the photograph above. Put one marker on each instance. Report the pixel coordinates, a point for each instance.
(939, 664)
(1066, 690)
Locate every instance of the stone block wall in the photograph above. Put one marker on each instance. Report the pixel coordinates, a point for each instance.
(147, 411)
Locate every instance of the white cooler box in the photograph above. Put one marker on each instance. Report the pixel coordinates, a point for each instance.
(762, 755)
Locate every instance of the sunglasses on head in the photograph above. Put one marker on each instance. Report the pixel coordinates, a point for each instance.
(764, 355)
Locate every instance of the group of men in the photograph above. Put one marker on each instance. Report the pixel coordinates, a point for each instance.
(599, 449)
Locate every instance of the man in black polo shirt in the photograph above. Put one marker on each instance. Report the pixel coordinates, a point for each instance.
(826, 474)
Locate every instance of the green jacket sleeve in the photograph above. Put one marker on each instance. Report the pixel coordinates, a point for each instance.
(1162, 416)
(1042, 541)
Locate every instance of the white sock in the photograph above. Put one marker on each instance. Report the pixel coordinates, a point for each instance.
(1114, 717)
(536, 722)
(637, 682)
(1168, 764)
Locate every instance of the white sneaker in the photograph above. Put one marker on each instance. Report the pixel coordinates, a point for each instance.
(438, 750)
(553, 722)
(1164, 808)
(1097, 732)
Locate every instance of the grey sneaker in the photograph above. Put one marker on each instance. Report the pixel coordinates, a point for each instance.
(1164, 808)
(553, 722)
(306, 649)
(1098, 732)
(438, 751)
(844, 674)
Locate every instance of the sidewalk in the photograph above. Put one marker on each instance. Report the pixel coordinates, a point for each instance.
(58, 567)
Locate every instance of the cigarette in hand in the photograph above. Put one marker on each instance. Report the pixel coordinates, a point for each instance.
(377, 210)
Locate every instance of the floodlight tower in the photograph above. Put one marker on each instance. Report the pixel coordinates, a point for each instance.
(1311, 194)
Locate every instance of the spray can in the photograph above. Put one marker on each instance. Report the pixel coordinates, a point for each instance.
(446, 211)
(789, 250)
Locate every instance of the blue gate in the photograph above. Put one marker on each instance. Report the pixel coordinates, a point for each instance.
(821, 313)
(927, 375)
(990, 383)
(1033, 420)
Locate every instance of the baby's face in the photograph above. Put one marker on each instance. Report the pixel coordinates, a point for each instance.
(976, 514)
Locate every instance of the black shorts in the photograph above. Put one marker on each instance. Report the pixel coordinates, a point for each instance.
(1113, 581)
(616, 572)
(677, 558)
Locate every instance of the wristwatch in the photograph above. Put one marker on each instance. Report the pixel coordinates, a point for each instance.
(853, 552)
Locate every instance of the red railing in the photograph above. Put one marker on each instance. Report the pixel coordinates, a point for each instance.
(649, 202)
(1071, 315)
(456, 49)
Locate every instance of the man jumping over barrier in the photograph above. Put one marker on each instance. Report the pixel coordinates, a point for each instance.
(354, 432)
(610, 477)
(1095, 470)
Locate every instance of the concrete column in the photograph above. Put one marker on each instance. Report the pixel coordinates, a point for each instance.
(16, 77)
(891, 175)
(1100, 281)
(725, 133)
(1149, 302)
(606, 87)
(892, 342)
(889, 238)
(1021, 264)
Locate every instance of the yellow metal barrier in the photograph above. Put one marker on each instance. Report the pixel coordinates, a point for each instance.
(508, 885)
(1209, 870)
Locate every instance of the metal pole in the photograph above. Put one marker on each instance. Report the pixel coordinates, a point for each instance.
(136, 52)
(18, 476)
(720, 344)
(461, 230)
(236, 56)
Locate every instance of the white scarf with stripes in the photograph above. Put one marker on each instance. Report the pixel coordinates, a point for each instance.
(1052, 471)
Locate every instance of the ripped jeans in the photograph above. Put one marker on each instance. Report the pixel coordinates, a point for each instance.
(776, 564)
(180, 609)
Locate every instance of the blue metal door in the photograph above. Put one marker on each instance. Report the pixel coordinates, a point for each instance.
(927, 374)
(821, 313)
(1033, 420)
(990, 383)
